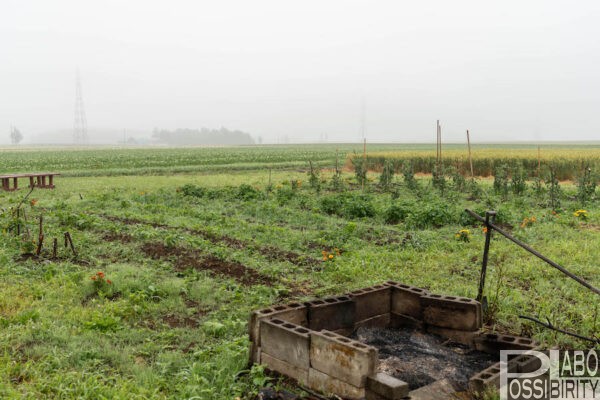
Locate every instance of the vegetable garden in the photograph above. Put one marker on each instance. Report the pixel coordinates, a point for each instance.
(175, 247)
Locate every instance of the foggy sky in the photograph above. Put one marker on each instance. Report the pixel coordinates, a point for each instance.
(507, 70)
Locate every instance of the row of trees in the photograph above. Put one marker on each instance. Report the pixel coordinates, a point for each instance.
(221, 136)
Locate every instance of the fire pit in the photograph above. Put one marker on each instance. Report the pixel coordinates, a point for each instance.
(388, 341)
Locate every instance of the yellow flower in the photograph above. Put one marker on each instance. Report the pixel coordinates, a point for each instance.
(581, 214)
(331, 256)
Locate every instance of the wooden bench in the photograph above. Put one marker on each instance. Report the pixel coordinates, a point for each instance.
(43, 180)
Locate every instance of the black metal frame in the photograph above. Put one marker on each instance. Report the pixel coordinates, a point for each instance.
(490, 226)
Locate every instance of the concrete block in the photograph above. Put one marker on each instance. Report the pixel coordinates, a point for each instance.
(406, 300)
(438, 390)
(372, 301)
(525, 363)
(489, 377)
(378, 321)
(285, 368)
(369, 395)
(405, 321)
(387, 386)
(342, 358)
(331, 313)
(492, 343)
(254, 354)
(452, 312)
(324, 383)
(344, 332)
(285, 341)
(463, 337)
(295, 313)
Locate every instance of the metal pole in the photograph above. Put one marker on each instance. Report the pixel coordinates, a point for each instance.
(489, 219)
(535, 253)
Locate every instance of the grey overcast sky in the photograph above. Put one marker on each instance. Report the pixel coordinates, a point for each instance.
(506, 70)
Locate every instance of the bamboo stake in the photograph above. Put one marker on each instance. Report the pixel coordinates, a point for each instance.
(470, 158)
(441, 159)
(437, 142)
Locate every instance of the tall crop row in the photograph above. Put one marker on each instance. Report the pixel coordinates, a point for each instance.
(566, 163)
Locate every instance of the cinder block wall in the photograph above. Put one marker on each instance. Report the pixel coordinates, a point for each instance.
(308, 341)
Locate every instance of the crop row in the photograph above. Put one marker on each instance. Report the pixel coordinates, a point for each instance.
(566, 163)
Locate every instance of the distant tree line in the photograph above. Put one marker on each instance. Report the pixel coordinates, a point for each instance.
(221, 136)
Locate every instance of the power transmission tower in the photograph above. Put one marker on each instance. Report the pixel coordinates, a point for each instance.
(80, 125)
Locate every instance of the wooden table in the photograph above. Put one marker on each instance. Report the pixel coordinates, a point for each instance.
(42, 180)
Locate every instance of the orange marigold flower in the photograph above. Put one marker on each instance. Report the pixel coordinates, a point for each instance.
(100, 274)
(330, 256)
(109, 281)
(93, 277)
(33, 202)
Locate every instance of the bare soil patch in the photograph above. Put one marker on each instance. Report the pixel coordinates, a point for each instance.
(175, 321)
(188, 258)
(118, 237)
(270, 252)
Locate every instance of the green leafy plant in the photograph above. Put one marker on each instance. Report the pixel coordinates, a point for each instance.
(360, 169)
(501, 180)
(387, 175)
(438, 179)
(586, 186)
(102, 286)
(408, 173)
(247, 192)
(518, 182)
(314, 177)
(458, 180)
(554, 190)
(398, 212)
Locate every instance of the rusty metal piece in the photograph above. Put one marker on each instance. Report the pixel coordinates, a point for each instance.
(489, 220)
(516, 241)
(549, 325)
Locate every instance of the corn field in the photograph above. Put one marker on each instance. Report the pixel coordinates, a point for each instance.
(568, 164)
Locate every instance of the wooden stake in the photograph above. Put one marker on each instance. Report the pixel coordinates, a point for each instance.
(441, 159)
(40, 237)
(437, 142)
(69, 240)
(470, 159)
(54, 247)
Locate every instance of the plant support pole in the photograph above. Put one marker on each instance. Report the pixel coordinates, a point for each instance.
(489, 220)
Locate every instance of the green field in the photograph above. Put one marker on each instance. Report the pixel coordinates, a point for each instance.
(192, 240)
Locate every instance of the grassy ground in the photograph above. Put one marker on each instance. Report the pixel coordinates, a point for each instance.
(190, 255)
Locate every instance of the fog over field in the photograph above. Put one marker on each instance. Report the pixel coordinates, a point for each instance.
(301, 71)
